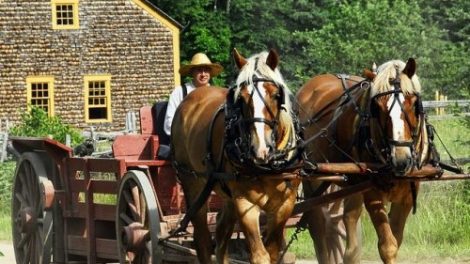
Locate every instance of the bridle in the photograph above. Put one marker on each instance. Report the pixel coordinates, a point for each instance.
(387, 143)
(239, 120)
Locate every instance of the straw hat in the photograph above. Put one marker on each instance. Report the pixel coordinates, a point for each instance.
(201, 60)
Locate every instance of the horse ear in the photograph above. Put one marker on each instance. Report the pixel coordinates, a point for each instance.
(410, 68)
(239, 59)
(273, 59)
(369, 74)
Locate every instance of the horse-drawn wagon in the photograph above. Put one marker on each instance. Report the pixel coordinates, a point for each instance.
(68, 209)
(128, 208)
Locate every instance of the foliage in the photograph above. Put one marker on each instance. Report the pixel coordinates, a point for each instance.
(37, 123)
(7, 170)
(206, 29)
(319, 36)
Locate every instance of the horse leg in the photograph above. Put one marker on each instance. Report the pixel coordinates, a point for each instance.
(351, 214)
(387, 244)
(274, 239)
(249, 221)
(224, 230)
(317, 224)
(202, 236)
(398, 214)
(317, 228)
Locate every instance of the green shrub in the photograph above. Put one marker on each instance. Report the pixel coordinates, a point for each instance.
(36, 123)
(7, 170)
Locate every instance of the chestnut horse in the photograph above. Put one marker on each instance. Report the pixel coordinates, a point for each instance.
(234, 139)
(378, 120)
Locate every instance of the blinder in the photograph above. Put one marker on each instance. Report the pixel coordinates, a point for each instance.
(238, 125)
(387, 143)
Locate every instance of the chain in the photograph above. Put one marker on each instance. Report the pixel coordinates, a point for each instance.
(299, 227)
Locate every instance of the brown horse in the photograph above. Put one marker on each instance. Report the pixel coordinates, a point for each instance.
(232, 139)
(378, 120)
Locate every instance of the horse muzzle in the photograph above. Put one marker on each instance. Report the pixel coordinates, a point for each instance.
(402, 161)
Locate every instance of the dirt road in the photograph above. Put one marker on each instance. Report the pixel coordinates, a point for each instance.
(6, 248)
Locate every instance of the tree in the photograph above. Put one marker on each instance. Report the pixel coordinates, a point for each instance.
(338, 36)
(206, 30)
(357, 34)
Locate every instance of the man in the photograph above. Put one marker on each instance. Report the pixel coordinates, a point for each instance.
(202, 70)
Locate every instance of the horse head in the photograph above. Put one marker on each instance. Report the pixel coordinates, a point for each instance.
(395, 104)
(264, 123)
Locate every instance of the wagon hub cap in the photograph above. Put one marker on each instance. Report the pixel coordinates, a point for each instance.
(26, 220)
(134, 237)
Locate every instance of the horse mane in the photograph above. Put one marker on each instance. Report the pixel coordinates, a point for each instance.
(256, 65)
(388, 71)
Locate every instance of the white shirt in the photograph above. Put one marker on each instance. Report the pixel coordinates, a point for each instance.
(176, 97)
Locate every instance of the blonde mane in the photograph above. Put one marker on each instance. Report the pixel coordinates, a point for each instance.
(256, 65)
(387, 72)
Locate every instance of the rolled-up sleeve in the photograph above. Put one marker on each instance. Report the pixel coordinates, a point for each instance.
(175, 99)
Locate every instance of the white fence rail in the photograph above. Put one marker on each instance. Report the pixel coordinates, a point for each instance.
(435, 104)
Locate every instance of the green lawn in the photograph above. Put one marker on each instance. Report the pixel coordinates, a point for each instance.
(441, 226)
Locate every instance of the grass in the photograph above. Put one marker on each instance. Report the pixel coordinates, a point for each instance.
(440, 228)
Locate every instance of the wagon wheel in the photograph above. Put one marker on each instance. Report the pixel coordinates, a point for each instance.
(137, 220)
(32, 200)
(336, 231)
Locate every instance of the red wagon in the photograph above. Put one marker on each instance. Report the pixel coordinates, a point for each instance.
(69, 209)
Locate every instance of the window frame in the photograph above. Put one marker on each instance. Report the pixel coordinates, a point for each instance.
(50, 90)
(74, 3)
(95, 78)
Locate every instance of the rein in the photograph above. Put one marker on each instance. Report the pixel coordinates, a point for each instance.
(416, 134)
(363, 132)
(238, 136)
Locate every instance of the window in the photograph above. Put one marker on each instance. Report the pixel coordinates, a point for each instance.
(40, 93)
(97, 98)
(65, 14)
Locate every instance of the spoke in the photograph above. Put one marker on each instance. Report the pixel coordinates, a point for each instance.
(27, 252)
(20, 199)
(23, 240)
(24, 185)
(33, 248)
(34, 186)
(27, 197)
(126, 218)
(130, 256)
(20, 175)
(131, 206)
(136, 196)
(39, 246)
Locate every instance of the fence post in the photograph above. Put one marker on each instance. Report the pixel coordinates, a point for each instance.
(131, 126)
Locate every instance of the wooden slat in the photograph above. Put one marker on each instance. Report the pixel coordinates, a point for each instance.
(108, 248)
(104, 212)
(146, 121)
(131, 147)
(107, 187)
(156, 163)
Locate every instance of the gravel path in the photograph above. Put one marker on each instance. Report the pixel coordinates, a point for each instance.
(6, 247)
